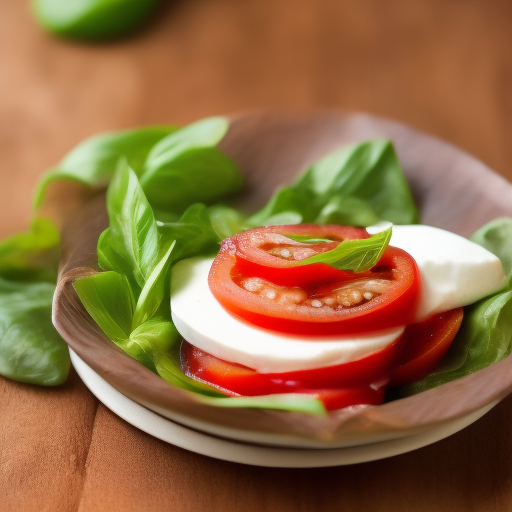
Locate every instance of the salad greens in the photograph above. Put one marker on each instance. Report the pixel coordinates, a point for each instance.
(163, 206)
(92, 19)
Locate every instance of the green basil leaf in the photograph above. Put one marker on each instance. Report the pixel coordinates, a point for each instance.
(131, 245)
(31, 350)
(286, 206)
(154, 291)
(92, 19)
(354, 255)
(94, 160)
(201, 134)
(226, 221)
(347, 211)
(194, 233)
(108, 298)
(284, 402)
(186, 168)
(203, 175)
(169, 368)
(150, 340)
(33, 255)
(484, 338)
(368, 171)
(496, 237)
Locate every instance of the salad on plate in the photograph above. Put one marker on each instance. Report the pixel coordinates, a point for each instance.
(330, 297)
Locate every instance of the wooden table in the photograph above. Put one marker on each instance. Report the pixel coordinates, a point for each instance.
(442, 66)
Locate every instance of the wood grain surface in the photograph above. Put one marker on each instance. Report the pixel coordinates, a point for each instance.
(442, 66)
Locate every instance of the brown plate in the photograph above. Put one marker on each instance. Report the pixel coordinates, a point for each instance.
(453, 190)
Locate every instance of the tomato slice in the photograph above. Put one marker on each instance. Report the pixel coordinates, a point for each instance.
(424, 344)
(246, 381)
(336, 303)
(356, 383)
(269, 253)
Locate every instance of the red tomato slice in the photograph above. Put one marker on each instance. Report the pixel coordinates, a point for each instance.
(424, 344)
(268, 253)
(343, 303)
(246, 381)
(337, 386)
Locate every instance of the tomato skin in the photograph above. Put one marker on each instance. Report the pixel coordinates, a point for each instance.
(335, 387)
(424, 345)
(334, 399)
(394, 308)
(248, 382)
(253, 260)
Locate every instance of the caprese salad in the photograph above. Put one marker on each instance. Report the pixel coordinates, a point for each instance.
(292, 307)
(281, 310)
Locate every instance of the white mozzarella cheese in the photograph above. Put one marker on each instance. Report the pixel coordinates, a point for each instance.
(454, 271)
(203, 322)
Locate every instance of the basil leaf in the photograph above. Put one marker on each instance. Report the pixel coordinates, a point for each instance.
(186, 168)
(368, 171)
(33, 255)
(201, 134)
(154, 290)
(357, 185)
(150, 340)
(347, 211)
(92, 19)
(284, 402)
(496, 237)
(194, 233)
(94, 160)
(108, 298)
(226, 221)
(31, 350)
(131, 245)
(354, 255)
(286, 206)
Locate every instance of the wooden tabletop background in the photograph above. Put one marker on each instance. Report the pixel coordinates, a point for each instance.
(444, 66)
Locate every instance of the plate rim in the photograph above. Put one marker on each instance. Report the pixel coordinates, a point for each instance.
(216, 447)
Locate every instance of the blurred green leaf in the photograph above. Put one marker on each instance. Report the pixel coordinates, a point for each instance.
(31, 350)
(92, 19)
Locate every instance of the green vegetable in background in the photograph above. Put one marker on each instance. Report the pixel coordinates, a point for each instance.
(357, 185)
(32, 255)
(92, 19)
(485, 336)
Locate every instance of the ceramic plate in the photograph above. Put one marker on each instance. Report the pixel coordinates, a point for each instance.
(233, 451)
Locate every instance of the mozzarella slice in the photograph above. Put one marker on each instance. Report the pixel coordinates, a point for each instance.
(203, 322)
(454, 271)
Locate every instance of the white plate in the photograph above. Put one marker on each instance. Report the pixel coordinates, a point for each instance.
(234, 451)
